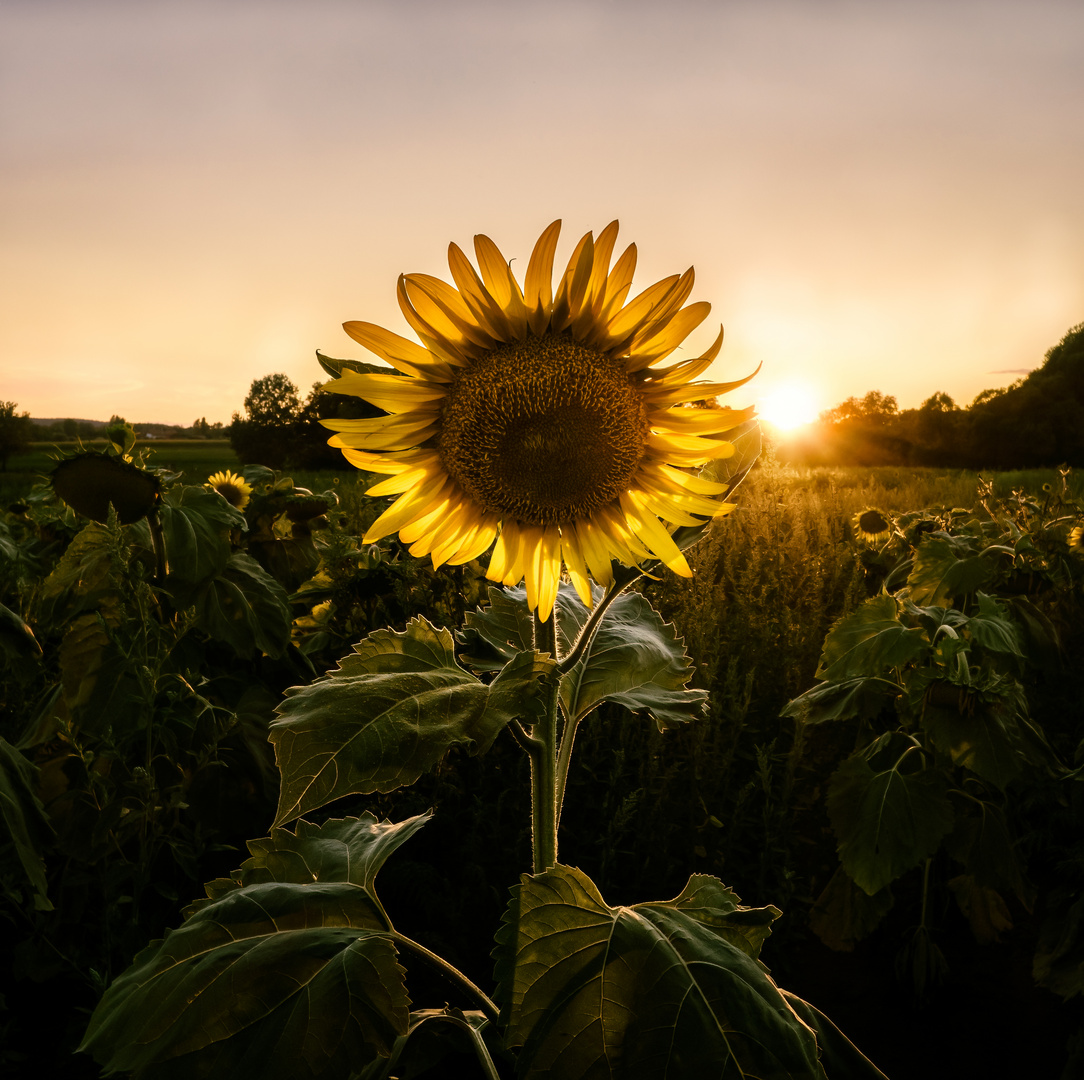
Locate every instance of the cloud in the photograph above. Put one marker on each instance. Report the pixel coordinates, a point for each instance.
(1011, 371)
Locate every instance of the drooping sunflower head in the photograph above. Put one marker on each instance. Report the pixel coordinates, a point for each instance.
(537, 420)
(871, 527)
(231, 487)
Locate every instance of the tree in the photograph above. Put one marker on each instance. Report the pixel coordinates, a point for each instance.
(15, 431)
(268, 434)
(272, 401)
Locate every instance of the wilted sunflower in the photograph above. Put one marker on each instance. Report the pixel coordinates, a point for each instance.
(872, 527)
(1076, 540)
(232, 488)
(538, 421)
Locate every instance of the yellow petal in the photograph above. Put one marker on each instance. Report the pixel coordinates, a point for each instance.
(501, 283)
(579, 268)
(475, 542)
(477, 297)
(392, 393)
(407, 356)
(547, 567)
(538, 284)
(637, 313)
(651, 532)
(574, 564)
(652, 345)
(407, 508)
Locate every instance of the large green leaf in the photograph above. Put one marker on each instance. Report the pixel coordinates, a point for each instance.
(26, 830)
(980, 840)
(844, 914)
(979, 734)
(389, 713)
(870, 641)
(196, 523)
(244, 606)
(940, 574)
(635, 659)
(992, 629)
(656, 990)
(861, 698)
(889, 812)
(285, 971)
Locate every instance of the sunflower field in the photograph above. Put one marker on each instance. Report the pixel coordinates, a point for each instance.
(136, 761)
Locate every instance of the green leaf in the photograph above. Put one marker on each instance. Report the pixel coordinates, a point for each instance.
(861, 698)
(845, 1061)
(992, 629)
(844, 914)
(244, 606)
(980, 735)
(870, 641)
(389, 713)
(26, 829)
(981, 842)
(643, 992)
(285, 971)
(939, 575)
(349, 850)
(635, 659)
(272, 980)
(196, 523)
(887, 818)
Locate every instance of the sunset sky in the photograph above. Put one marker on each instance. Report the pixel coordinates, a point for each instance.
(875, 195)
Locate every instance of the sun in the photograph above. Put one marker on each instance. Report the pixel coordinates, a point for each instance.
(788, 405)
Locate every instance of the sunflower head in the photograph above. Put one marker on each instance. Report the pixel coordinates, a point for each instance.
(231, 487)
(1076, 540)
(871, 527)
(538, 420)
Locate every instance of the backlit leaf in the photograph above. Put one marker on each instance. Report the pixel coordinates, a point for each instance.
(887, 818)
(245, 607)
(849, 699)
(655, 990)
(271, 976)
(870, 641)
(389, 713)
(635, 659)
(940, 575)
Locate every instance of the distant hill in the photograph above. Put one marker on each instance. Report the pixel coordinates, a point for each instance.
(141, 427)
(60, 420)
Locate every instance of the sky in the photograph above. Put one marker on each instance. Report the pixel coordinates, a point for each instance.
(883, 194)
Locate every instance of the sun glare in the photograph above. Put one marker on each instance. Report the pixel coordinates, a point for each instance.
(788, 406)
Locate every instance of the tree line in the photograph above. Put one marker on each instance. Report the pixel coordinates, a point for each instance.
(1035, 422)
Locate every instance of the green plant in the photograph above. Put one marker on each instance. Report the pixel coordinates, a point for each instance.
(936, 671)
(292, 964)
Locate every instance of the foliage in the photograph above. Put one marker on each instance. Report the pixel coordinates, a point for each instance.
(313, 960)
(739, 795)
(934, 671)
(15, 431)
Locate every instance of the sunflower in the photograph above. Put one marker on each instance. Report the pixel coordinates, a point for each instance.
(537, 421)
(871, 527)
(1076, 540)
(231, 487)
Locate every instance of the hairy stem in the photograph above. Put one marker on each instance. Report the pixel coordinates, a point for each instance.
(452, 974)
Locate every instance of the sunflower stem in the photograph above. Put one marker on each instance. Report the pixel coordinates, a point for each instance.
(544, 760)
(590, 628)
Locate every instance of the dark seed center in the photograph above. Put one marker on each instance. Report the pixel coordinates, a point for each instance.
(543, 430)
